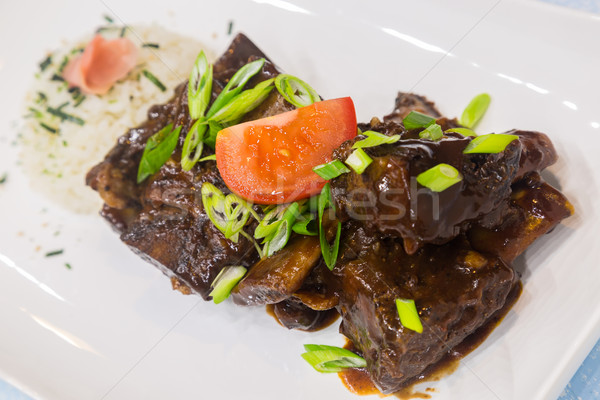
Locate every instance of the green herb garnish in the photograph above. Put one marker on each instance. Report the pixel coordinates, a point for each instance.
(152, 45)
(58, 112)
(108, 19)
(58, 78)
(374, 139)
(200, 86)
(489, 144)
(46, 63)
(225, 282)
(157, 151)
(3, 178)
(358, 161)
(296, 91)
(329, 359)
(282, 230)
(123, 31)
(54, 253)
(230, 28)
(432, 132)
(462, 131)
(48, 128)
(475, 110)
(329, 253)
(243, 103)
(307, 225)
(154, 80)
(409, 317)
(228, 214)
(440, 177)
(417, 120)
(68, 266)
(331, 170)
(193, 142)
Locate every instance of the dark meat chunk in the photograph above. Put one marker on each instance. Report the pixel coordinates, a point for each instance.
(455, 289)
(535, 209)
(537, 153)
(387, 199)
(292, 314)
(276, 278)
(407, 102)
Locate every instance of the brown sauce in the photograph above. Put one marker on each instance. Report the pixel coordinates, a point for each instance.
(328, 317)
(357, 380)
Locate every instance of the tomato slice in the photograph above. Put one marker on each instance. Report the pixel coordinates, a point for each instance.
(270, 160)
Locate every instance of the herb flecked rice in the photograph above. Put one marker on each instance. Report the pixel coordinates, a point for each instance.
(67, 132)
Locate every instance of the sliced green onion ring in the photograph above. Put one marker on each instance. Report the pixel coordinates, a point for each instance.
(409, 317)
(237, 214)
(329, 359)
(432, 132)
(329, 253)
(212, 157)
(374, 139)
(243, 103)
(157, 151)
(225, 282)
(489, 144)
(193, 142)
(331, 170)
(282, 235)
(358, 161)
(440, 177)
(417, 120)
(462, 131)
(213, 201)
(296, 91)
(200, 86)
(475, 110)
(235, 85)
(307, 225)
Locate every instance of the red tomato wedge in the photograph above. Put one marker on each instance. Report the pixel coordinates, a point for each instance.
(270, 160)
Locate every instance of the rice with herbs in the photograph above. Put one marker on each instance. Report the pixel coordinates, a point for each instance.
(66, 132)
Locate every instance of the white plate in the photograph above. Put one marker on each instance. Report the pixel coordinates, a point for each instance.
(112, 328)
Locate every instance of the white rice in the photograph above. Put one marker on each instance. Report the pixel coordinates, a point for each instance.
(57, 162)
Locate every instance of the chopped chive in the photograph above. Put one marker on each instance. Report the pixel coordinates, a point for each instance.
(64, 143)
(358, 161)
(123, 31)
(48, 128)
(3, 178)
(409, 317)
(108, 19)
(54, 253)
(230, 28)
(489, 144)
(331, 359)
(225, 282)
(46, 63)
(417, 120)
(56, 77)
(331, 170)
(157, 151)
(58, 112)
(37, 114)
(440, 177)
(63, 64)
(152, 45)
(296, 91)
(374, 139)
(42, 98)
(432, 132)
(462, 131)
(329, 253)
(212, 157)
(154, 80)
(68, 266)
(79, 101)
(475, 110)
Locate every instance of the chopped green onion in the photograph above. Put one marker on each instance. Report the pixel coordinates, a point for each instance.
(213, 201)
(108, 19)
(54, 253)
(228, 213)
(213, 130)
(212, 157)
(48, 128)
(440, 177)
(475, 110)
(157, 151)
(462, 131)
(3, 178)
(56, 77)
(193, 142)
(243, 103)
(235, 85)
(237, 214)
(296, 91)
(281, 236)
(358, 161)
(225, 282)
(63, 64)
(154, 80)
(432, 132)
(200, 86)
(79, 101)
(123, 32)
(329, 359)
(152, 45)
(417, 120)
(58, 112)
(46, 63)
(331, 170)
(490, 144)
(269, 223)
(375, 139)
(409, 317)
(307, 225)
(230, 27)
(68, 266)
(329, 253)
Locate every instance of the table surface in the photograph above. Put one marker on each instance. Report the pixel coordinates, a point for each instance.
(585, 384)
